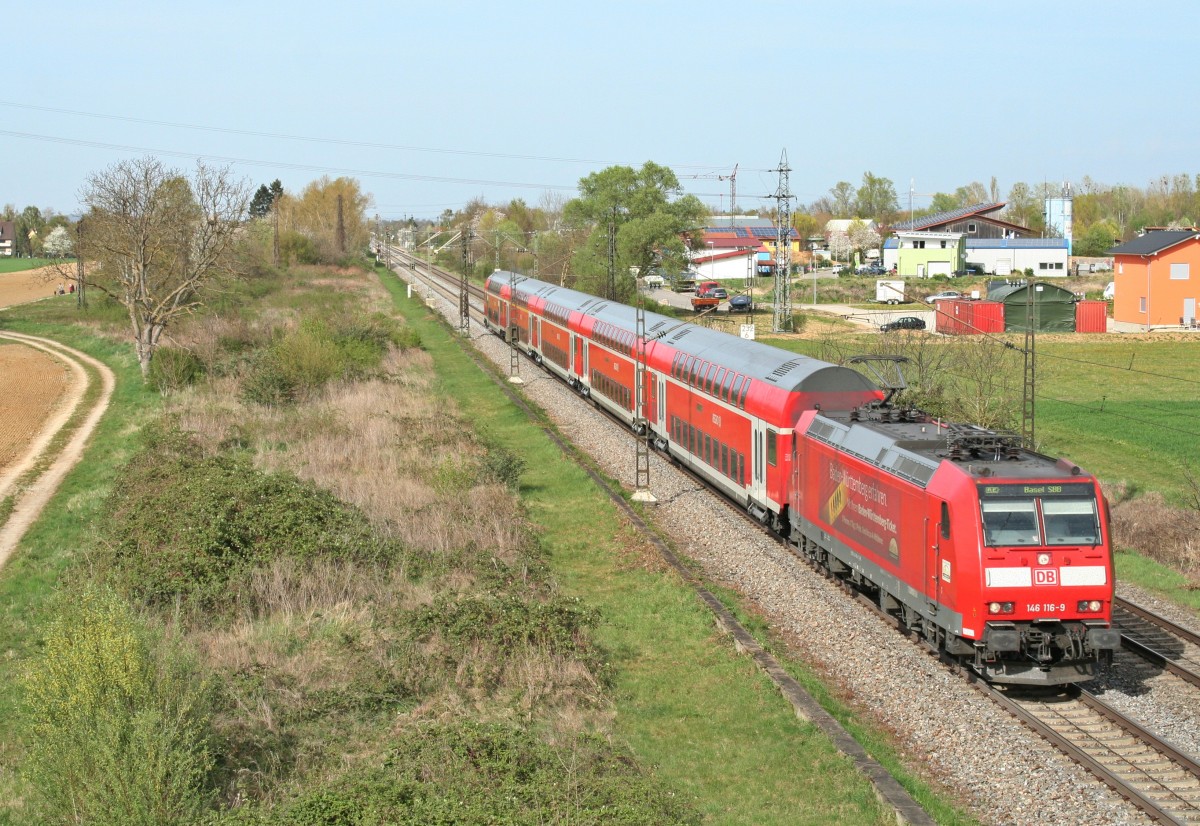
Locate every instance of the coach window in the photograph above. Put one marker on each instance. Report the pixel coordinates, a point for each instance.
(771, 437)
(725, 391)
(725, 459)
(945, 521)
(710, 379)
(719, 381)
(745, 391)
(737, 387)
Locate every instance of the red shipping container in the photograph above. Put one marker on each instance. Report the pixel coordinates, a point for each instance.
(964, 317)
(1091, 317)
(953, 318)
(989, 317)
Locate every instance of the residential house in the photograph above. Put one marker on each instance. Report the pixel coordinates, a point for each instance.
(1157, 278)
(8, 238)
(926, 254)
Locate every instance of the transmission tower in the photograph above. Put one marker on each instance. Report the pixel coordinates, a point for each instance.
(782, 321)
(1027, 395)
(464, 306)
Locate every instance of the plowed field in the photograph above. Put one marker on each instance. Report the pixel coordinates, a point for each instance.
(32, 384)
(29, 285)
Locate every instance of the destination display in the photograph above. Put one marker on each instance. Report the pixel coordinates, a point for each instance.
(1026, 490)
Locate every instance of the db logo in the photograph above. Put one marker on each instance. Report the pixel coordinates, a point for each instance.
(1045, 576)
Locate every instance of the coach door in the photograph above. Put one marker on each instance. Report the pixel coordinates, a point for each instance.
(578, 355)
(758, 469)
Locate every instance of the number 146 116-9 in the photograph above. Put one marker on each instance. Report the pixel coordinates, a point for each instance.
(1045, 607)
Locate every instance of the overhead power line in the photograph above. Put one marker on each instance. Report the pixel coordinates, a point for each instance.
(404, 176)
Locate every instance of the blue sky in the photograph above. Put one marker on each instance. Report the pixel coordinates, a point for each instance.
(431, 104)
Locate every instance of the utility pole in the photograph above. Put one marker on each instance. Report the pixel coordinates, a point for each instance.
(782, 319)
(641, 421)
(341, 227)
(612, 254)
(80, 299)
(275, 221)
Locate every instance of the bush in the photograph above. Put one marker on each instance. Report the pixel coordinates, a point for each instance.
(173, 369)
(186, 526)
(472, 773)
(305, 359)
(120, 719)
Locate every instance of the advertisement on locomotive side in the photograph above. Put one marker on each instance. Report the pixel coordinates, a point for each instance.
(865, 509)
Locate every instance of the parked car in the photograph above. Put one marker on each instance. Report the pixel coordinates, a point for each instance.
(741, 303)
(870, 269)
(654, 281)
(1110, 291)
(907, 322)
(944, 295)
(718, 292)
(837, 268)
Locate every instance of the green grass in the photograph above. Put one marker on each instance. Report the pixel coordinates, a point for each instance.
(1148, 574)
(22, 264)
(686, 703)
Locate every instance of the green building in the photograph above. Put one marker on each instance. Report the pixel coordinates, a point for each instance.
(926, 254)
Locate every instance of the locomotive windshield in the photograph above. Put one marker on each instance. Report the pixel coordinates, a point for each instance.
(1063, 514)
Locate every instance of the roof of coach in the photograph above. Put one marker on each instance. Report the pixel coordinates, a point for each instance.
(788, 371)
(913, 445)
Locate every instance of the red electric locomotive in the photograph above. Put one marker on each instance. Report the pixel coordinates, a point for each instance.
(996, 554)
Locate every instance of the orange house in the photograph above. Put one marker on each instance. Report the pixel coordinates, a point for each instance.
(1157, 278)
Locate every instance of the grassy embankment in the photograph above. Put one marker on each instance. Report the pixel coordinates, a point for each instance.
(329, 685)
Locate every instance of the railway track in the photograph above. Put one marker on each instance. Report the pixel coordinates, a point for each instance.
(1158, 640)
(1138, 765)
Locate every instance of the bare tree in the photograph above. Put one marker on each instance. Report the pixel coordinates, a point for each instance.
(159, 239)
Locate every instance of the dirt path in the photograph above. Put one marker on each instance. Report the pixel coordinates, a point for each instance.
(31, 499)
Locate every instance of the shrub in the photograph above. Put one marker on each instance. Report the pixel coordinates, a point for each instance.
(119, 718)
(173, 369)
(472, 773)
(186, 526)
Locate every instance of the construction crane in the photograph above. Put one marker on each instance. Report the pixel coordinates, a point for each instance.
(732, 178)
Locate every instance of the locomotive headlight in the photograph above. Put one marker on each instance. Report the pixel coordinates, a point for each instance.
(1043, 559)
(993, 608)
(1092, 606)
(1000, 607)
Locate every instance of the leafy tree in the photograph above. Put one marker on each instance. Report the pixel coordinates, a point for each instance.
(971, 194)
(160, 239)
(876, 199)
(842, 199)
(649, 214)
(315, 214)
(943, 202)
(119, 719)
(1096, 239)
(29, 229)
(1024, 207)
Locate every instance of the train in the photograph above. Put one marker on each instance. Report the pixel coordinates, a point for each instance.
(996, 555)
